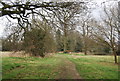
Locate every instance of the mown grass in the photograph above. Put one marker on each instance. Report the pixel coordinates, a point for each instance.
(29, 67)
(96, 67)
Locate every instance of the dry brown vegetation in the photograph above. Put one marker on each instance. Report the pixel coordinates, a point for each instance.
(14, 54)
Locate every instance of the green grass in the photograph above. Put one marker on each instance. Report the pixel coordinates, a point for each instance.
(96, 67)
(89, 67)
(29, 67)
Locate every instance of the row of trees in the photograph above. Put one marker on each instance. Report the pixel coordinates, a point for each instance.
(62, 27)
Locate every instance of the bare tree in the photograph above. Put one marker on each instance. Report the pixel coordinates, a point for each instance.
(107, 30)
(85, 27)
(119, 27)
(22, 10)
(66, 19)
(63, 11)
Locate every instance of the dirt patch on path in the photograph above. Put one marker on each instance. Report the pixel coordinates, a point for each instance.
(67, 70)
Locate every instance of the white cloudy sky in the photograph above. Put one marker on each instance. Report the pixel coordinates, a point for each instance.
(96, 13)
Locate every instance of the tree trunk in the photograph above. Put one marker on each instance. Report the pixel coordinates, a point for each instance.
(65, 37)
(65, 46)
(85, 50)
(115, 56)
(85, 45)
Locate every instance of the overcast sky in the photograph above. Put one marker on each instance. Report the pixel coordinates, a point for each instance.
(96, 13)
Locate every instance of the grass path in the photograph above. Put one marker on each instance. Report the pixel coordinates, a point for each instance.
(67, 70)
(60, 66)
(55, 67)
(96, 67)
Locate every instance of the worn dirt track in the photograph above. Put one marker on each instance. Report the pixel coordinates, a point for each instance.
(67, 70)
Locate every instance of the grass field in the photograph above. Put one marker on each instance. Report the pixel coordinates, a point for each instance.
(97, 67)
(88, 67)
(29, 67)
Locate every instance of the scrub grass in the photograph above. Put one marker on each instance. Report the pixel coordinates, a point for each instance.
(96, 67)
(29, 67)
(88, 66)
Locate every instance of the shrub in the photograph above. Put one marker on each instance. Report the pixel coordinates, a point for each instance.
(34, 42)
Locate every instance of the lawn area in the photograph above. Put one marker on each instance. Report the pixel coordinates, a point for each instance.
(95, 67)
(88, 67)
(29, 67)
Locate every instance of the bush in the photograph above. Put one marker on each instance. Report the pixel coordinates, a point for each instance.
(39, 40)
(34, 42)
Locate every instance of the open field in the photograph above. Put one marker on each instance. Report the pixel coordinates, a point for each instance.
(97, 67)
(60, 66)
(29, 67)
